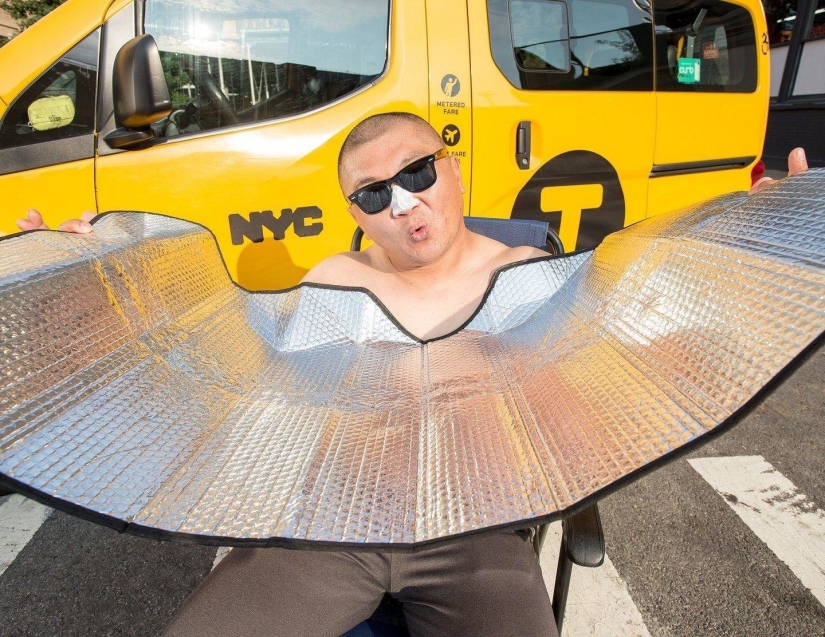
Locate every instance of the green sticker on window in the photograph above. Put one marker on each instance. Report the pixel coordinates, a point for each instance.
(689, 70)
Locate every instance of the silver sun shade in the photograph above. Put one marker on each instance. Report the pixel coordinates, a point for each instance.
(142, 388)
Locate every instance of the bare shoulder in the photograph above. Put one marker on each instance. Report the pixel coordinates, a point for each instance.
(492, 255)
(489, 250)
(346, 268)
(522, 253)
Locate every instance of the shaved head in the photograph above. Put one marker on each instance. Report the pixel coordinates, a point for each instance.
(375, 126)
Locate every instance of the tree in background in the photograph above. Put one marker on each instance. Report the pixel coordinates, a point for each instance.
(27, 12)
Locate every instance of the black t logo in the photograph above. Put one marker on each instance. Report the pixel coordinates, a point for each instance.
(575, 168)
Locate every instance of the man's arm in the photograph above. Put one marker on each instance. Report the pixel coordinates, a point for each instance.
(525, 252)
(346, 269)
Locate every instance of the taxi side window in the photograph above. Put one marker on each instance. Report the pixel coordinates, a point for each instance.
(573, 45)
(707, 46)
(60, 104)
(540, 35)
(244, 61)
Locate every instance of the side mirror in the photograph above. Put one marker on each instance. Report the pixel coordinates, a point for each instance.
(141, 95)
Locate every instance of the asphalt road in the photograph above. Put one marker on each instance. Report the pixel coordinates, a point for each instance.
(689, 563)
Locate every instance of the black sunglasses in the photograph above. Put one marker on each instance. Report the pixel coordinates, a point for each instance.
(415, 177)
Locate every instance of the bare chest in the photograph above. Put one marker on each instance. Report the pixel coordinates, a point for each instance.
(429, 312)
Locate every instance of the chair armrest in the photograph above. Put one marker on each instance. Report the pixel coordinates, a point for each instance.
(357, 236)
(554, 241)
(582, 543)
(584, 538)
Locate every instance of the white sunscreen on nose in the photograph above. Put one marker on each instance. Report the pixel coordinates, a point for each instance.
(402, 201)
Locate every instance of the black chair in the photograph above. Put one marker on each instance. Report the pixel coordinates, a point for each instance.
(582, 541)
(511, 232)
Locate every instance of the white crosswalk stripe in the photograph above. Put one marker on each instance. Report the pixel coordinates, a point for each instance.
(220, 554)
(19, 520)
(598, 604)
(775, 510)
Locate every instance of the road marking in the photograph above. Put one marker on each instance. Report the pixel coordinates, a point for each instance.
(775, 510)
(19, 519)
(598, 603)
(220, 554)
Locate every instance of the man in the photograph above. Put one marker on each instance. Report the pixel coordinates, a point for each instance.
(426, 267)
(431, 274)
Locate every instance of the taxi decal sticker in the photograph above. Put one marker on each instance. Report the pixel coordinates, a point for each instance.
(253, 228)
(450, 85)
(579, 193)
(450, 134)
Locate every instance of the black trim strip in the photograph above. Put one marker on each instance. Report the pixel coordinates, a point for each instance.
(704, 166)
(52, 153)
(800, 102)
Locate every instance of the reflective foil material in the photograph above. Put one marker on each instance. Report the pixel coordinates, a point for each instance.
(141, 387)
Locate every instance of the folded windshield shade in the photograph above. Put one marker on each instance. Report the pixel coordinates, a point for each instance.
(143, 389)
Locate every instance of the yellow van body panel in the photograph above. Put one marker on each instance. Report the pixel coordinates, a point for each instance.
(451, 108)
(498, 180)
(616, 126)
(36, 189)
(60, 190)
(282, 174)
(678, 191)
(706, 126)
(270, 169)
(689, 124)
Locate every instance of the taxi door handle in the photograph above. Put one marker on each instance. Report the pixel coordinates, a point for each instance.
(523, 145)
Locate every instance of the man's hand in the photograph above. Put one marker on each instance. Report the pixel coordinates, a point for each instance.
(796, 164)
(34, 221)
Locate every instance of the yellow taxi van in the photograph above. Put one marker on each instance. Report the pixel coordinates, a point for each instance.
(592, 114)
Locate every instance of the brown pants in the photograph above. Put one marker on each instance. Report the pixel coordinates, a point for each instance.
(485, 585)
